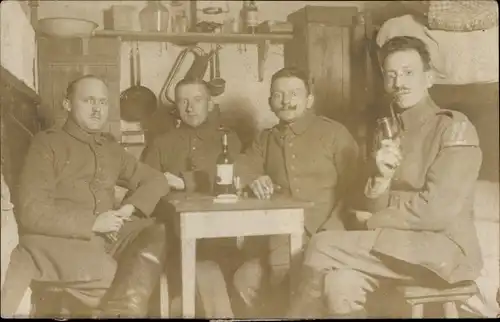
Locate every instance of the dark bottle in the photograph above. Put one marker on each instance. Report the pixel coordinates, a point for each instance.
(224, 170)
(243, 18)
(252, 17)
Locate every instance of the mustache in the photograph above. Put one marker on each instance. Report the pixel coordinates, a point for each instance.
(287, 107)
(401, 91)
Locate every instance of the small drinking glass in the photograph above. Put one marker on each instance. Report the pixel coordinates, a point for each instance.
(388, 128)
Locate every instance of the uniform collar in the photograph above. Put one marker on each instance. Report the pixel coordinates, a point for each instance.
(418, 114)
(300, 125)
(206, 129)
(78, 133)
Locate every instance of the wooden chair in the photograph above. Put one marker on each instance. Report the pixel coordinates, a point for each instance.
(418, 296)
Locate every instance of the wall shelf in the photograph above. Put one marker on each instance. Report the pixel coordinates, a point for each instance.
(195, 37)
(262, 40)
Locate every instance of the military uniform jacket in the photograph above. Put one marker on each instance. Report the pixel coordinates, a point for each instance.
(425, 217)
(68, 179)
(313, 159)
(191, 153)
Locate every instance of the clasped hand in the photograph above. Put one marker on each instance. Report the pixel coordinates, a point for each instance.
(112, 220)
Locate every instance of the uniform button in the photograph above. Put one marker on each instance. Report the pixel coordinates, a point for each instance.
(290, 144)
(293, 156)
(297, 190)
(194, 148)
(292, 167)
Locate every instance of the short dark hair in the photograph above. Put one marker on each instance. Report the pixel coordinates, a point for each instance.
(402, 43)
(192, 81)
(70, 90)
(292, 72)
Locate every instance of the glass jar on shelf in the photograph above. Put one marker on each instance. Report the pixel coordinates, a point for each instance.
(154, 17)
(180, 23)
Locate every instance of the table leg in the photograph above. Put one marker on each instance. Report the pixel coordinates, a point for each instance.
(188, 254)
(295, 249)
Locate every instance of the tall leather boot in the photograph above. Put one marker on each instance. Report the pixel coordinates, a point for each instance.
(138, 274)
(307, 299)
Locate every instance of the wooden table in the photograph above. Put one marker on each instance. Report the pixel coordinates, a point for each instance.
(200, 217)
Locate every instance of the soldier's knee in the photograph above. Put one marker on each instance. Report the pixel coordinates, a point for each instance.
(345, 291)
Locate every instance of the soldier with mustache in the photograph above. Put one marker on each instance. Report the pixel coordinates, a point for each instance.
(416, 202)
(307, 156)
(67, 213)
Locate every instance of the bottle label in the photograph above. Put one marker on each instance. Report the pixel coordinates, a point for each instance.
(224, 174)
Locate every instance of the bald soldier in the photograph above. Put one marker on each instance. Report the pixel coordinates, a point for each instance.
(70, 233)
(416, 203)
(311, 158)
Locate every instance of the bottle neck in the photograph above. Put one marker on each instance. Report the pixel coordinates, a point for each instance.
(224, 143)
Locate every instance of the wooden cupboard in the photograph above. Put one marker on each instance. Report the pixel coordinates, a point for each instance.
(329, 45)
(61, 60)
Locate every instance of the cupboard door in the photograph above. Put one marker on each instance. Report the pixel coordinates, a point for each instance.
(54, 79)
(296, 51)
(329, 65)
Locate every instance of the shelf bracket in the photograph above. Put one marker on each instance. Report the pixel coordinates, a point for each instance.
(262, 51)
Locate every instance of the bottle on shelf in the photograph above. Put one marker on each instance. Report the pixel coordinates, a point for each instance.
(224, 183)
(243, 17)
(154, 17)
(252, 17)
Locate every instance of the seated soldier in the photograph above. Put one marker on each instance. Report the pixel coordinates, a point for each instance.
(417, 202)
(66, 214)
(311, 158)
(187, 155)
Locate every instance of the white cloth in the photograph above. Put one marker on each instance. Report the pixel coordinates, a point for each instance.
(457, 57)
